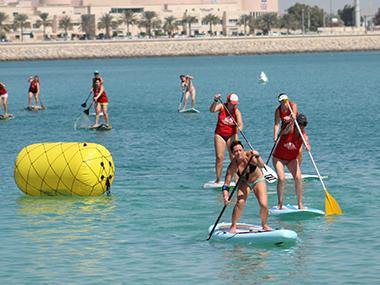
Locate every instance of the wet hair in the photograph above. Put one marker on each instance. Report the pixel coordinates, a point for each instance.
(302, 120)
(182, 76)
(235, 143)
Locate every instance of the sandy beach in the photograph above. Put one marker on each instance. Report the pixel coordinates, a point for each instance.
(187, 47)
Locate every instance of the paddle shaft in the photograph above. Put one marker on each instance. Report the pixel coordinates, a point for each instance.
(88, 97)
(180, 101)
(274, 145)
(229, 198)
(309, 152)
(87, 111)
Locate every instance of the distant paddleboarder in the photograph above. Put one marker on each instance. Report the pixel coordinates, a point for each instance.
(188, 89)
(226, 130)
(250, 180)
(4, 100)
(34, 91)
(286, 154)
(101, 100)
(96, 77)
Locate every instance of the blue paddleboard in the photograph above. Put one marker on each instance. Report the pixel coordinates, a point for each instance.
(292, 211)
(251, 234)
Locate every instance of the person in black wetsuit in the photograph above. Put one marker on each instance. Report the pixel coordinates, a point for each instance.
(252, 180)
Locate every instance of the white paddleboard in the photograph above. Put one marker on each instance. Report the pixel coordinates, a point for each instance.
(213, 185)
(191, 110)
(292, 211)
(252, 234)
(289, 176)
(94, 114)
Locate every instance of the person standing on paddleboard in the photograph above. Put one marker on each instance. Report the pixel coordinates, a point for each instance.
(101, 100)
(251, 178)
(4, 99)
(226, 130)
(96, 77)
(286, 154)
(34, 91)
(189, 89)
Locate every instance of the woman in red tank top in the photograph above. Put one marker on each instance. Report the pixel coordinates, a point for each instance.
(101, 100)
(4, 100)
(34, 91)
(286, 154)
(226, 130)
(283, 114)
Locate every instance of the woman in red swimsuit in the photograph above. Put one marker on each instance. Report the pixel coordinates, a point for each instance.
(101, 100)
(34, 91)
(4, 100)
(283, 114)
(286, 154)
(226, 130)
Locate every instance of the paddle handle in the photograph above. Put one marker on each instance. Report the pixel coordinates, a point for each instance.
(229, 198)
(308, 151)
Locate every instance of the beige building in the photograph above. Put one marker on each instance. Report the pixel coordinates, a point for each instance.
(229, 12)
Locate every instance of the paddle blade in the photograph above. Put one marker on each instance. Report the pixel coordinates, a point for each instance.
(84, 105)
(87, 111)
(43, 107)
(331, 206)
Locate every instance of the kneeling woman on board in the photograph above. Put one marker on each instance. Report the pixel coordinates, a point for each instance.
(226, 129)
(252, 179)
(101, 100)
(287, 153)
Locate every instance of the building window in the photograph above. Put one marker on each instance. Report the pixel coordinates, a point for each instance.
(123, 10)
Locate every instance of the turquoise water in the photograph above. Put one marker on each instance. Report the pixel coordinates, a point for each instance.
(152, 229)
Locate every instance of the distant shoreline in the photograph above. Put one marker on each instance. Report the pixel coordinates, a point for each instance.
(187, 47)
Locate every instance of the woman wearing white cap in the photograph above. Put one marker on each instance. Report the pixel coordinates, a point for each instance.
(226, 130)
(283, 114)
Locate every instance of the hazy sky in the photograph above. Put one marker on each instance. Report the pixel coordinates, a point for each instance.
(365, 5)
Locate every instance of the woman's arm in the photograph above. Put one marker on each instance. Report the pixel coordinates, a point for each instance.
(276, 126)
(215, 106)
(227, 180)
(239, 119)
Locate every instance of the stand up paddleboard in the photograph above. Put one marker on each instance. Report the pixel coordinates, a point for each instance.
(102, 127)
(292, 212)
(5, 118)
(213, 185)
(289, 176)
(191, 110)
(35, 108)
(252, 234)
(94, 114)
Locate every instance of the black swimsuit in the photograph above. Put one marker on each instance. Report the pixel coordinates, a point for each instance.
(252, 168)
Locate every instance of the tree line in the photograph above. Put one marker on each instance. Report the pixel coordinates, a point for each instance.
(297, 17)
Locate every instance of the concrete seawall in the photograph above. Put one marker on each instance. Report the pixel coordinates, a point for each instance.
(187, 47)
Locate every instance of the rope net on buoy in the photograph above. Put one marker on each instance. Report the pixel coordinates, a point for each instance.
(84, 169)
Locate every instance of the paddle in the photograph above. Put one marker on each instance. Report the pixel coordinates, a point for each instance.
(331, 206)
(85, 102)
(180, 102)
(275, 144)
(271, 176)
(230, 197)
(87, 111)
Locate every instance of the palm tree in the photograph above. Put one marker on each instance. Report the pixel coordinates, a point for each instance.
(289, 22)
(149, 21)
(189, 20)
(44, 21)
(107, 22)
(129, 19)
(88, 25)
(252, 24)
(211, 20)
(66, 24)
(170, 25)
(244, 21)
(3, 27)
(267, 21)
(20, 20)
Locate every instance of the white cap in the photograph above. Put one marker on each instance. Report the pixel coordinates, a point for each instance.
(233, 98)
(282, 97)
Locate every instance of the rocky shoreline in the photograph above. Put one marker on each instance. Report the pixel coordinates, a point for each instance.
(187, 47)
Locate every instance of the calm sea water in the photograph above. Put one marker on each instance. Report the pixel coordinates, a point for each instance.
(152, 229)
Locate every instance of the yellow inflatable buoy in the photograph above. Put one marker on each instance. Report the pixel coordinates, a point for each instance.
(84, 169)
